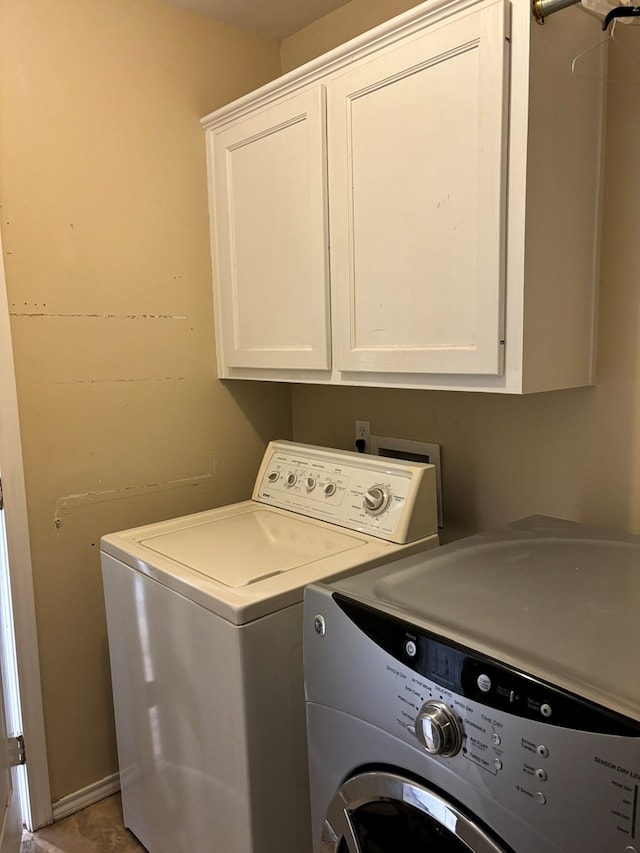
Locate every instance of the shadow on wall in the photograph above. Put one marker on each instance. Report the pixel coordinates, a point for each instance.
(616, 441)
(265, 406)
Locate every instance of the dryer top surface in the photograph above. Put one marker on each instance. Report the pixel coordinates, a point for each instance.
(554, 598)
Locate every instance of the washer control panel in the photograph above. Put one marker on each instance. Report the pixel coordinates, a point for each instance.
(567, 767)
(388, 498)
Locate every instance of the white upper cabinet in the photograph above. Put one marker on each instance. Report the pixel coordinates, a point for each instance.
(418, 208)
(418, 168)
(269, 207)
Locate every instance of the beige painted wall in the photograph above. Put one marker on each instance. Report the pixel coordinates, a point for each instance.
(105, 229)
(574, 454)
(333, 29)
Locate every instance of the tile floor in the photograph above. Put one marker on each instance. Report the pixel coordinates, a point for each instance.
(96, 829)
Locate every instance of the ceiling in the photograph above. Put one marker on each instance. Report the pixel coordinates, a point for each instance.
(274, 18)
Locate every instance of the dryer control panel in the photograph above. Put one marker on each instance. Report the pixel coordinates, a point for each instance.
(388, 498)
(566, 767)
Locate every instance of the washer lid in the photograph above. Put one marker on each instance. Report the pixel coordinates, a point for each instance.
(246, 561)
(553, 598)
(238, 550)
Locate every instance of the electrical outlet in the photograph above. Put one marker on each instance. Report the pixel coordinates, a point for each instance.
(363, 433)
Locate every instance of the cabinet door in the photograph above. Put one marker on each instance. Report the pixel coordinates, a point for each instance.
(417, 200)
(270, 236)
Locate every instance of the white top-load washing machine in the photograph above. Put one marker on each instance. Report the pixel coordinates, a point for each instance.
(204, 619)
(484, 697)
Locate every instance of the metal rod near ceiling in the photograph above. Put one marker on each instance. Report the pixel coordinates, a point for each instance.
(543, 8)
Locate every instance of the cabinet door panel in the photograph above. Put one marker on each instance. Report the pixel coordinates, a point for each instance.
(416, 157)
(270, 236)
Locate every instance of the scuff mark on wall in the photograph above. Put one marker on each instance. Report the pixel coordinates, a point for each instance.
(66, 503)
(132, 379)
(98, 316)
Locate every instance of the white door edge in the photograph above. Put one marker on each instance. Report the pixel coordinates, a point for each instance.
(35, 792)
(10, 818)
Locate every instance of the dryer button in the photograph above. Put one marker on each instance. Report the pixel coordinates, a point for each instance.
(540, 798)
(484, 683)
(545, 710)
(410, 648)
(543, 751)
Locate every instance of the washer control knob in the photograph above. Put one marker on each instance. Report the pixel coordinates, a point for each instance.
(273, 476)
(376, 499)
(291, 479)
(438, 729)
(330, 489)
(311, 484)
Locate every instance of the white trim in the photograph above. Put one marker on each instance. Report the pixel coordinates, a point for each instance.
(36, 805)
(383, 35)
(93, 793)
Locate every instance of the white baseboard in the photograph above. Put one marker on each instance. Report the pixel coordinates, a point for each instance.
(86, 796)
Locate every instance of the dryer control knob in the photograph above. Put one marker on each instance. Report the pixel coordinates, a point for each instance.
(438, 729)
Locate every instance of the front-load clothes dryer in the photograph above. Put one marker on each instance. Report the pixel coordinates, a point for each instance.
(484, 697)
(204, 619)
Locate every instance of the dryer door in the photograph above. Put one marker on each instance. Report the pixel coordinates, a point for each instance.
(378, 812)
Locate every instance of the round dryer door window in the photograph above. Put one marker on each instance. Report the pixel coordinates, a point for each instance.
(381, 812)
